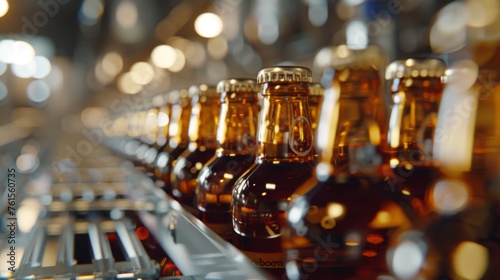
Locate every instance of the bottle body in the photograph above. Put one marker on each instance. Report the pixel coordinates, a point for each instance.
(342, 226)
(214, 191)
(340, 222)
(236, 153)
(180, 112)
(202, 145)
(260, 198)
(284, 161)
(412, 126)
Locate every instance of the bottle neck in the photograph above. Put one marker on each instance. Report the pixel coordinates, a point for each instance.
(203, 123)
(348, 133)
(179, 120)
(284, 131)
(414, 117)
(237, 128)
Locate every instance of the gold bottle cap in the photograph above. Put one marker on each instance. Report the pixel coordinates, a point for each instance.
(316, 89)
(237, 85)
(414, 68)
(288, 74)
(203, 90)
(341, 57)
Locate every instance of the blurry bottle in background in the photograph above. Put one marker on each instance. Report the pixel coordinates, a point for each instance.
(462, 242)
(416, 86)
(235, 154)
(284, 161)
(339, 222)
(180, 112)
(202, 130)
(157, 123)
(135, 132)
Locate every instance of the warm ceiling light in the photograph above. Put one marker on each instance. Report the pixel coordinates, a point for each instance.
(4, 7)
(208, 25)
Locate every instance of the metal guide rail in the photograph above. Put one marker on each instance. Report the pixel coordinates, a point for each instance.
(103, 219)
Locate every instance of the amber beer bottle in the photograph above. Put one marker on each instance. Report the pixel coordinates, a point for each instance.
(180, 112)
(235, 154)
(284, 161)
(339, 221)
(202, 132)
(462, 242)
(157, 122)
(416, 86)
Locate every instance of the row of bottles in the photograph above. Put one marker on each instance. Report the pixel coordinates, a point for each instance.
(332, 183)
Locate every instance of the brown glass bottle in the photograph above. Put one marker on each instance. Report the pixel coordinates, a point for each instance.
(135, 126)
(284, 161)
(202, 132)
(416, 86)
(180, 112)
(157, 121)
(463, 239)
(339, 222)
(235, 154)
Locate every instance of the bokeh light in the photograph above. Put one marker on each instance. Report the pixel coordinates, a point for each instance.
(126, 84)
(448, 33)
(482, 12)
(38, 91)
(112, 63)
(163, 56)
(42, 67)
(127, 14)
(195, 54)
(180, 61)
(4, 7)
(91, 11)
(217, 47)
(16, 52)
(23, 71)
(208, 25)
(407, 259)
(268, 30)
(470, 260)
(449, 196)
(142, 73)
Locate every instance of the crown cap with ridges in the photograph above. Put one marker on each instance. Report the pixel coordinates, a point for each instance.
(287, 74)
(415, 68)
(237, 85)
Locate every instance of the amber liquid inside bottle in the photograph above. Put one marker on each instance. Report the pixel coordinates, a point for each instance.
(185, 173)
(177, 143)
(237, 152)
(409, 156)
(215, 191)
(202, 146)
(344, 228)
(260, 198)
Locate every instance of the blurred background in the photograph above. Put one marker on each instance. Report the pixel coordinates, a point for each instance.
(67, 63)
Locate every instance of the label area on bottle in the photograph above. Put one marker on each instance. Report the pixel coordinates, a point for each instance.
(266, 260)
(301, 140)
